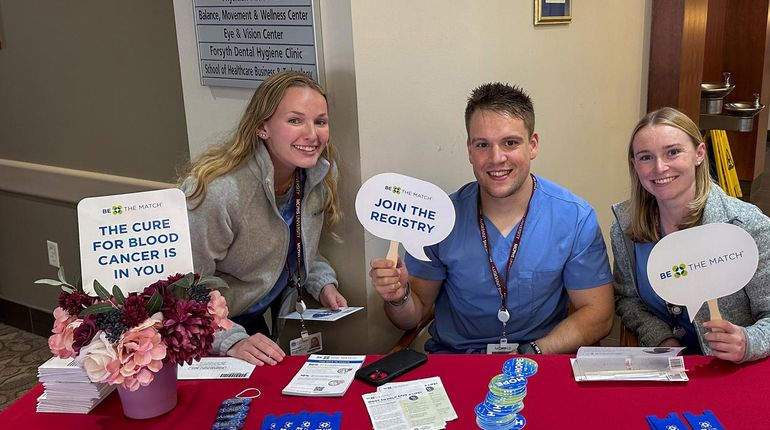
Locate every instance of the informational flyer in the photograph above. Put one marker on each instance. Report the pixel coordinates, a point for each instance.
(436, 392)
(403, 406)
(325, 376)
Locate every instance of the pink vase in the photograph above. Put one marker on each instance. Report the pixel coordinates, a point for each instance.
(152, 400)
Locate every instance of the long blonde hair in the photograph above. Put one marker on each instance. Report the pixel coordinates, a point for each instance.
(221, 159)
(645, 217)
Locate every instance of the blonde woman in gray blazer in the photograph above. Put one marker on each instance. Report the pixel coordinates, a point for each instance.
(671, 191)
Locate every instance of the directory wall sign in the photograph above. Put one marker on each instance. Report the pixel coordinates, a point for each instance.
(242, 42)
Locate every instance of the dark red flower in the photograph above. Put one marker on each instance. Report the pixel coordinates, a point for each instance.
(134, 310)
(75, 302)
(162, 287)
(188, 331)
(84, 333)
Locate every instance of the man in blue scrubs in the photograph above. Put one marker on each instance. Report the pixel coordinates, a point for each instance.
(521, 249)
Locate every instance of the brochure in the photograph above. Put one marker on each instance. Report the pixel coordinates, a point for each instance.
(420, 404)
(324, 376)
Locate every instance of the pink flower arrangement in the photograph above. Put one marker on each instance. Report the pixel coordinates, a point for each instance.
(125, 340)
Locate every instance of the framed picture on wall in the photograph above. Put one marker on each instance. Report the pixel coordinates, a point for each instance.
(553, 12)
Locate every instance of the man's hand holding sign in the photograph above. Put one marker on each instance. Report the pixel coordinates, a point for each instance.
(700, 265)
(406, 210)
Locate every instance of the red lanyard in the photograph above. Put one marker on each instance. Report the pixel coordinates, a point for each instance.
(294, 278)
(502, 287)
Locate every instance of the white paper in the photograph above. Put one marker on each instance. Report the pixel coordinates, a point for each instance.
(216, 368)
(325, 376)
(323, 314)
(68, 388)
(436, 392)
(629, 364)
(386, 411)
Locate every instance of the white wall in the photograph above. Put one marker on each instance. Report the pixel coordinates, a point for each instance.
(408, 70)
(416, 63)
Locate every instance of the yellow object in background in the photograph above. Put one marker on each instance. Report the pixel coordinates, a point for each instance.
(725, 166)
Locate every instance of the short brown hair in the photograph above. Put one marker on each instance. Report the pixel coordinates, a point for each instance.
(504, 99)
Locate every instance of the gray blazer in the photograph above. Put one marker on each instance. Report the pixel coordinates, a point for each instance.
(748, 308)
(239, 235)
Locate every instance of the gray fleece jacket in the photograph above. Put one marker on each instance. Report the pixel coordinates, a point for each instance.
(748, 308)
(239, 235)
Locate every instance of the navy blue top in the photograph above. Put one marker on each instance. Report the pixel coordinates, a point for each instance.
(657, 305)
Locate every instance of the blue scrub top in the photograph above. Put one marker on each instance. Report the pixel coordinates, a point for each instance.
(657, 305)
(561, 248)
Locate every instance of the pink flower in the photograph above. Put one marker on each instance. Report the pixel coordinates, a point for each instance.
(60, 343)
(99, 359)
(217, 307)
(63, 319)
(140, 349)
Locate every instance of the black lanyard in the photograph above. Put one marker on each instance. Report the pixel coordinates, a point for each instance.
(502, 287)
(294, 278)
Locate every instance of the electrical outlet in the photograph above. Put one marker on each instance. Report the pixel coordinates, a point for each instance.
(53, 253)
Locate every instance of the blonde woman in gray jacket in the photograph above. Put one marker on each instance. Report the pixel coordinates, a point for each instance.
(257, 205)
(671, 191)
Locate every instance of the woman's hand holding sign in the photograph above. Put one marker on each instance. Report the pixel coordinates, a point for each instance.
(726, 340)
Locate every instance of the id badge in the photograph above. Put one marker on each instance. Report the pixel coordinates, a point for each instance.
(306, 346)
(502, 348)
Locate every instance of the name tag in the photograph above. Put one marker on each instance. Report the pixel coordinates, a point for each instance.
(502, 348)
(306, 345)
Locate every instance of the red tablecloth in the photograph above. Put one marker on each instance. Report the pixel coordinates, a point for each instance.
(738, 394)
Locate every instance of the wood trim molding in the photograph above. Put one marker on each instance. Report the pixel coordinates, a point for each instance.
(67, 185)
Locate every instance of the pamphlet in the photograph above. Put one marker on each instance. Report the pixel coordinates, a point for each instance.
(436, 392)
(324, 376)
(629, 364)
(420, 404)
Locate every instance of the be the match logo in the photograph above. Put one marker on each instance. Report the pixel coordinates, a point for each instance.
(681, 270)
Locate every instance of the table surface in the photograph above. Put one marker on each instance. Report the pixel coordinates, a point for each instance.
(739, 395)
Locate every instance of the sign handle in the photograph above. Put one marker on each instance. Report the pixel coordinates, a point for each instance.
(393, 252)
(714, 313)
(714, 310)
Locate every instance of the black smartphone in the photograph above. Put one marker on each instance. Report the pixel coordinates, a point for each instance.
(391, 366)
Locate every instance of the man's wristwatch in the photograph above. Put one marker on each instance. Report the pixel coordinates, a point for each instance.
(530, 348)
(402, 300)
